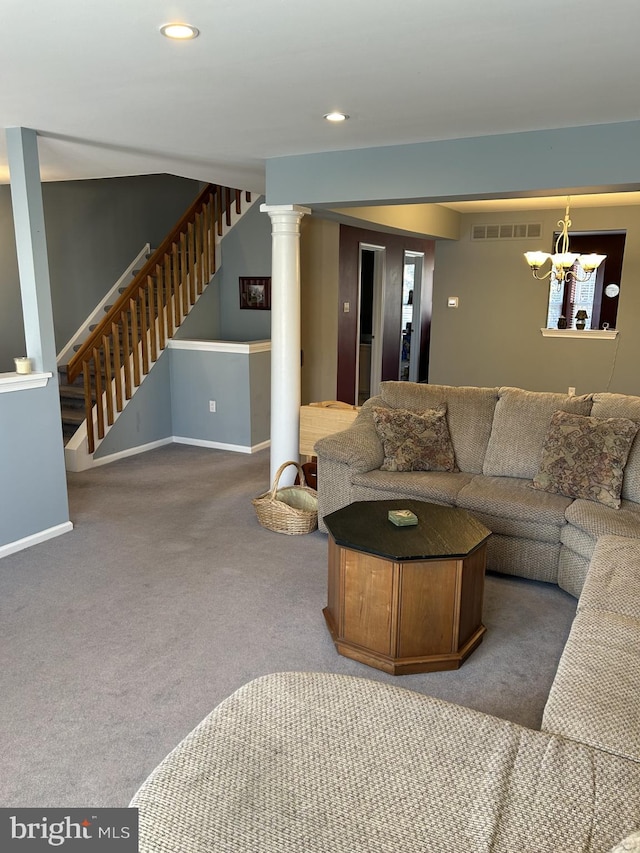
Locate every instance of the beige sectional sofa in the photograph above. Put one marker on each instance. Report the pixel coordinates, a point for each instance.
(315, 762)
(497, 435)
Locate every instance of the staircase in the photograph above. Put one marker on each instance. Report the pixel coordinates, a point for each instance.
(123, 338)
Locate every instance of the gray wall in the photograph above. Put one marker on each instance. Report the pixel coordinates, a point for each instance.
(174, 400)
(11, 320)
(494, 337)
(147, 417)
(33, 494)
(94, 230)
(203, 323)
(260, 393)
(246, 251)
(198, 377)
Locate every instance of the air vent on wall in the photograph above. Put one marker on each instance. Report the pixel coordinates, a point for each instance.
(508, 231)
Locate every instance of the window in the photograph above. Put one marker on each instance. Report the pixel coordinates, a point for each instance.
(598, 295)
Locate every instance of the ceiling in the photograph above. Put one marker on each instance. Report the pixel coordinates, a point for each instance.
(109, 96)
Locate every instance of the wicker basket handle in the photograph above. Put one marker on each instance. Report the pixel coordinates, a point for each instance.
(276, 479)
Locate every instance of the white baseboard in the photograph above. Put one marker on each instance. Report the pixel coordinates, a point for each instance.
(35, 539)
(90, 462)
(130, 451)
(220, 445)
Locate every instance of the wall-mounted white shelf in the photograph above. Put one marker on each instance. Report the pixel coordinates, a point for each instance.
(586, 334)
(22, 381)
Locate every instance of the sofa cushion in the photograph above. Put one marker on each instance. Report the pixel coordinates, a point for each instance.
(538, 530)
(597, 520)
(594, 696)
(584, 457)
(523, 558)
(511, 497)
(435, 486)
(613, 580)
(519, 426)
(607, 405)
(572, 571)
(469, 414)
(577, 540)
(315, 762)
(415, 441)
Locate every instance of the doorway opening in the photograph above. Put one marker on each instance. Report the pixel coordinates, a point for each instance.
(370, 314)
(411, 325)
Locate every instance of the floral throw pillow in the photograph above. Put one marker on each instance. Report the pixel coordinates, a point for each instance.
(415, 441)
(584, 457)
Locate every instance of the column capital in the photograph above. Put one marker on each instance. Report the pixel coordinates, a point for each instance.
(295, 209)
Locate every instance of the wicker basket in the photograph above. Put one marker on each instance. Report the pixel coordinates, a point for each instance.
(292, 509)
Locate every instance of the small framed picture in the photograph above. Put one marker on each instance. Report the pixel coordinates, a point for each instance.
(255, 293)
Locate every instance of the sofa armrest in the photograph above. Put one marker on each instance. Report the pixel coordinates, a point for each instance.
(343, 454)
(357, 447)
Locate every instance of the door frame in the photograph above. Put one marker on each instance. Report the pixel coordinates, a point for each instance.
(348, 280)
(377, 323)
(416, 314)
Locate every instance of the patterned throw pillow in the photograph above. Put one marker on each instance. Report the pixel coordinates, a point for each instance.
(584, 457)
(415, 441)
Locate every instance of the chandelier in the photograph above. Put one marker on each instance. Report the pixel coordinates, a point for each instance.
(564, 263)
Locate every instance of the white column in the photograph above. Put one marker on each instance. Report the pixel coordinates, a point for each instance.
(285, 335)
(31, 244)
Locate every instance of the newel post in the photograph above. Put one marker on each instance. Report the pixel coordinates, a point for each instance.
(285, 335)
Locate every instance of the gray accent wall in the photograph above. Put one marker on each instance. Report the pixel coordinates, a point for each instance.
(239, 385)
(33, 492)
(12, 340)
(173, 401)
(203, 323)
(246, 251)
(260, 395)
(147, 416)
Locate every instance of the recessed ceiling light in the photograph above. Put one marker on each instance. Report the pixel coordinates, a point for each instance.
(179, 31)
(336, 116)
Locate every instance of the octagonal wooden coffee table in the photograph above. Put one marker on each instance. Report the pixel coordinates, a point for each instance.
(405, 599)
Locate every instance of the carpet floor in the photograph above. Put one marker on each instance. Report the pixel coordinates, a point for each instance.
(119, 637)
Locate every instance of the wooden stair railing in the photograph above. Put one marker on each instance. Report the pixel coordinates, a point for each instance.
(122, 347)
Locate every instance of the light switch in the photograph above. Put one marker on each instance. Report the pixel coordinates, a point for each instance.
(452, 301)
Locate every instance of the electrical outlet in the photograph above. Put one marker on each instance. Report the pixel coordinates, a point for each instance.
(572, 392)
(212, 405)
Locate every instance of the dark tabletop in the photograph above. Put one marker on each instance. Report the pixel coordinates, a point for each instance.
(441, 531)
